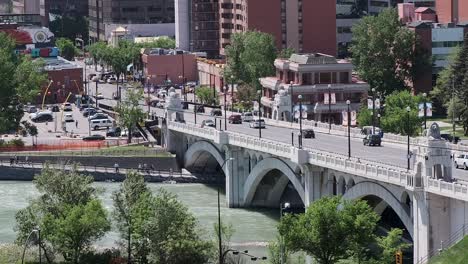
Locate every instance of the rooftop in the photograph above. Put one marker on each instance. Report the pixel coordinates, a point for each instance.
(426, 10)
(59, 63)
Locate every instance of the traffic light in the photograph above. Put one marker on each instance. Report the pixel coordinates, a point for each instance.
(399, 257)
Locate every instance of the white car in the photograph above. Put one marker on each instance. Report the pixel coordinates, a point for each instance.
(461, 161)
(68, 118)
(257, 123)
(247, 117)
(67, 107)
(99, 96)
(111, 80)
(208, 123)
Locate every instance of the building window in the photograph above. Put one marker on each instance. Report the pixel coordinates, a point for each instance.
(130, 9)
(325, 77)
(227, 6)
(343, 30)
(446, 44)
(344, 77)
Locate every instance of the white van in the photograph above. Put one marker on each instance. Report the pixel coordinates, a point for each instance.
(99, 123)
(247, 117)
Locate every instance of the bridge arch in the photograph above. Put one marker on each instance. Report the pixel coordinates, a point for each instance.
(367, 188)
(196, 150)
(261, 169)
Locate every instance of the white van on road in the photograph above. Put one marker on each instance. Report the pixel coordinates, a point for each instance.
(461, 160)
(100, 123)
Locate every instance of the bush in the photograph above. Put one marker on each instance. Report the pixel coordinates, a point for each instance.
(107, 256)
(16, 142)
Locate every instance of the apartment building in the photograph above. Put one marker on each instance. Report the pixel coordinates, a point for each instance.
(306, 26)
(197, 26)
(455, 11)
(25, 6)
(122, 12)
(317, 78)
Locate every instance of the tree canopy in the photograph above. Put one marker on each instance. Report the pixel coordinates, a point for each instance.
(206, 95)
(129, 111)
(386, 54)
(66, 47)
(395, 116)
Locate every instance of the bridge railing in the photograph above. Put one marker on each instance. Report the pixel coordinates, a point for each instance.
(444, 188)
(265, 145)
(193, 129)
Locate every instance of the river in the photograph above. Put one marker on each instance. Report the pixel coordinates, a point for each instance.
(252, 227)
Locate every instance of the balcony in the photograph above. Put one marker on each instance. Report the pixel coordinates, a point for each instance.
(339, 107)
(270, 83)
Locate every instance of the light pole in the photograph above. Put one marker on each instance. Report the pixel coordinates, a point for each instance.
(259, 93)
(329, 108)
(286, 206)
(453, 107)
(96, 80)
(349, 129)
(425, 109)
(373, 111)
(408, 109)
(292, 104)
(232, 91)
(299, 97)
(226, 89)
(220, 246)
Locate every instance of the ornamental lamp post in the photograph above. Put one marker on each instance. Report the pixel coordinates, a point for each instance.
(329, 108)
(292, 104)
(425, 108)
(259, 92)
(299, 97)
(373, 111)
(348, 102)
(408, 109)
(226, 89)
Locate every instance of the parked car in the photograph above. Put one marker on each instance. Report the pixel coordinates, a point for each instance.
(114, 132)
(89, 112)
(216, 112)
(461, 160)
(68, 118)
(160, 104)
(98, 116)
(372, 140)
(31, 109)
(67, 107)
(44, 116)
(247, 117)
(235, 119)
(257, 123)
(111, 80)
(55, 108)
(100, 123)
(84, 106)
(94, 137)
(308, 133)
(208, 123)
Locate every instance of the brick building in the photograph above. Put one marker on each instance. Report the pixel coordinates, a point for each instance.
(452, 11)
(317, 77)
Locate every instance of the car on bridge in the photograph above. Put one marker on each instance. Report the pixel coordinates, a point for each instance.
(208, 123)
(67, 107)
(461, 160)
(257, 123)
(372, 140)
(308, 133)
(247, 117)
(235, 119)
(44, 116)
(68, 118)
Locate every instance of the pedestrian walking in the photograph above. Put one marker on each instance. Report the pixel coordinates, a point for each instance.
(139, 166)
(116, 167)
(16, 159)
(76, 123)
(12, 161)
(152, 167)
(26, 159)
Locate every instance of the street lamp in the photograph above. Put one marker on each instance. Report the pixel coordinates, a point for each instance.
(292, 104)
(329, 107)
(96, 80)
(232, 91)
(408, 109)
(349, 129)
(259, 93)
(373, 110)
(226, 89)
(220, 247)
(299, 97)
(286, 206)
(425, 109)
(378, 120)
(38, 231)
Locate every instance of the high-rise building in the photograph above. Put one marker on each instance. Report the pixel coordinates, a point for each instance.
(102, 12)
(25, 7)
(197, 26)
(452, 11)
(70, 7)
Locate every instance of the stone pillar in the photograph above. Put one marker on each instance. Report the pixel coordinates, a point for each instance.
(421, 226)
(235, 171)
(313, 178)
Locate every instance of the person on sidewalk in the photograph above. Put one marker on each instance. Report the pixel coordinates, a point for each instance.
(76, 123)
(116, 167)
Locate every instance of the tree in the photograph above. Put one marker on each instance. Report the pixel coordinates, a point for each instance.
(69, 26)
(67, 48)
(29, 76)
(286, 53)
(97, 51)
(331, 229)
(126, 200)
(130, 111)
(364, 116)
(67, 211)
(395, 117)
(246, 94)
(391, 244)
(383, 51)
(249, 57)
(207, 95)
(172, 231)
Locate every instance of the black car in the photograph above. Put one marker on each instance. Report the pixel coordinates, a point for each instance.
(55, 108)
(94, 137)
(450, 138)
(216, 112)
(308, 133)
(43, 117)
(372, 140)
(114, 132)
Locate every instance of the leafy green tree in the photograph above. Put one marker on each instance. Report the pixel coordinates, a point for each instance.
(126, 201)
(249, 57)
(130, 112)
(395, 116)
(67, 211)
(29, 76)
(364, 117)
(67, 48)
(246, 94)
(286, 53)
(331, 229)
(172, 231)
(98, 51)
(390, 244)
(383, 51)
(206, 95)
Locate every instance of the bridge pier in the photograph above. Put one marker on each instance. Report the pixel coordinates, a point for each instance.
(314, 181)
(236, 172)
